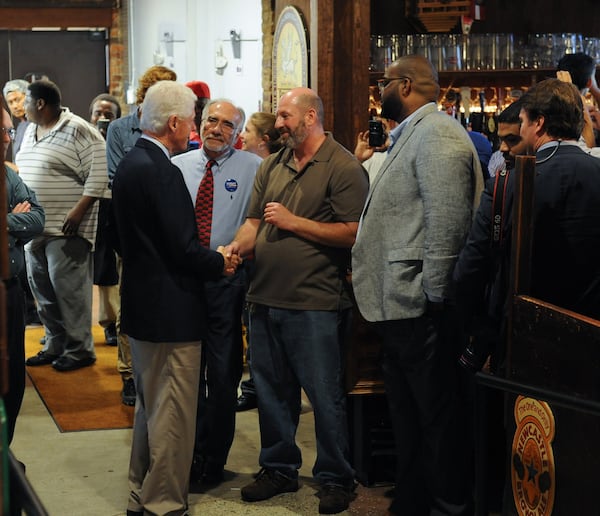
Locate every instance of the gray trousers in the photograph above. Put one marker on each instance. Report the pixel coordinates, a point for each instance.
(166, 377)
(60, 276)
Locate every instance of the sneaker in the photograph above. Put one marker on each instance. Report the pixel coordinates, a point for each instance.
(42, 358)
(268, 483)
(128, 392)
(334, 499)
(110, 335)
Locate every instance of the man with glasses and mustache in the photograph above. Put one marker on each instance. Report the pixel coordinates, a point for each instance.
(413, 225)
(232, 172)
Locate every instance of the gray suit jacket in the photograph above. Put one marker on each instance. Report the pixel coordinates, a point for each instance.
(416, 218)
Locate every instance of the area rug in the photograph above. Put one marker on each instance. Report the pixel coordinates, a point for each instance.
(86, 399)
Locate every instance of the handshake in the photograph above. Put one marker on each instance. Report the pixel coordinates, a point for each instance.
(232, 259)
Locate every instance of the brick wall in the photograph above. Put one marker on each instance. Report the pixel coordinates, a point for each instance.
(118, 59)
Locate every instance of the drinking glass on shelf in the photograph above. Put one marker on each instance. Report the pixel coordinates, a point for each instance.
(476, 52)
(544, 48)
(421, 45)
(452, 52)
(436, 50)
(490, 51)
(521, 53)
(505, 48)
(591, 46)
(405, 45)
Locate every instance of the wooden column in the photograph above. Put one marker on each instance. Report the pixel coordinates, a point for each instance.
(339, 41)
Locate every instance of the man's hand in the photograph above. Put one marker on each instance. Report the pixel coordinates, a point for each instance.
(279, 216)
(71, 224)
(231, 261)
(22, 207)
(362, 151)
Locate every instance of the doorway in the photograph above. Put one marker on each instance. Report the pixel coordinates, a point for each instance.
(75, 60)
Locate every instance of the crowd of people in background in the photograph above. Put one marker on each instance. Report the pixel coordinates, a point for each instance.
(197, 222)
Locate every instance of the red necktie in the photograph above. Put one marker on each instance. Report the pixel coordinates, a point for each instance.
(204, 205)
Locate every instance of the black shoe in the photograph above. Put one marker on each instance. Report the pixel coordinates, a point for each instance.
(213, 474)
(42, 358)
(268, 484)
(128, 393)
(206, 472)
(110, 334)
(334, 499)
(245, 402)
(71, 364)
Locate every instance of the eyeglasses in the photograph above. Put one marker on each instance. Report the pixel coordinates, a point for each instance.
(382, 83)
(10, 131)
(226, 125)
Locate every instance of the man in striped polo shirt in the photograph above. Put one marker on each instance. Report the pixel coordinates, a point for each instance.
(63, 158)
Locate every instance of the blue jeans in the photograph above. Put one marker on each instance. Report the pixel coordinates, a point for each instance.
(294, 349)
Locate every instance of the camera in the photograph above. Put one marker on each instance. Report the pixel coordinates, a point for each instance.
(102, 125)
(474, 356)
(377, 134)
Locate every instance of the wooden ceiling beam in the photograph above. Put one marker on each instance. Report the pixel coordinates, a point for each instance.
(23, 18)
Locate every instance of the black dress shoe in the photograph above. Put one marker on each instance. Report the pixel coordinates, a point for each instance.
(42, 358)
(213, 474)
(70, 364)
(206, 473)
(128, 393)
(110, 334)
(245, 402)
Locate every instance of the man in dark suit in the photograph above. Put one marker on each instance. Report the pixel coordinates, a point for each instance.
(566, 231)
(566, 237)
(162, 307)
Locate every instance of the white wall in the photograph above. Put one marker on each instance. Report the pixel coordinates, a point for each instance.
(201, 29)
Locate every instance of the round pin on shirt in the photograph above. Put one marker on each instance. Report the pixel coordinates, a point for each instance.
(231, 185)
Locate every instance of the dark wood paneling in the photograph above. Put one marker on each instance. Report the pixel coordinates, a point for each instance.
(341, 49)
(515, 16)
(351, 53)
(23, 18)
(58, 3)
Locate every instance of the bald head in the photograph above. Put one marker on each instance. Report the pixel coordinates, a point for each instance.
(305, 99)
(422, 74)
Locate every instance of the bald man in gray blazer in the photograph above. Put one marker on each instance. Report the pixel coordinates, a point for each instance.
(414, 223)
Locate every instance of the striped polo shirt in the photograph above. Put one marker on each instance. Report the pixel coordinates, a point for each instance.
(66, 164)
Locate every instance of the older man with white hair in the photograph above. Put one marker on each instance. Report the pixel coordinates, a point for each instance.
(162, 304)
(14, 92)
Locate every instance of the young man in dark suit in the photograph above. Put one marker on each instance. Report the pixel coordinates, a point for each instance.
(162, 306)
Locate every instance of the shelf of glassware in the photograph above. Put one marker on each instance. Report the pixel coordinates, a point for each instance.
(516, 77)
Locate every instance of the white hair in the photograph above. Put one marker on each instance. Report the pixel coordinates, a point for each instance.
(163, 100)
(15, 85)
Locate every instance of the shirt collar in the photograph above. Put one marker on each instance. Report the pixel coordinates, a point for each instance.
(397, 131)
(158, 143)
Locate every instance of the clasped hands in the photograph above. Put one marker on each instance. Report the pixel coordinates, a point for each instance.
(231, 260)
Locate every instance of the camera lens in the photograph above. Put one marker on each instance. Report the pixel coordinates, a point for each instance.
(473, 357)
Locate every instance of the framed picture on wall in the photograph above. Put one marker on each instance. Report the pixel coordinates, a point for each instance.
(290, 53)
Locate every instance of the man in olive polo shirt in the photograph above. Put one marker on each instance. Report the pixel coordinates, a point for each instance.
(301, 224)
